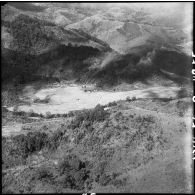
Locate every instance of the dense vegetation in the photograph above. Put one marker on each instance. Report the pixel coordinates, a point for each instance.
(95, 148)
(29, 33)
(30, 37)
(87, 117)
(71, 171)
(126, 68)
(24, 145)
(173, 61)
(136, 67)
(17, 67)
(21, 68)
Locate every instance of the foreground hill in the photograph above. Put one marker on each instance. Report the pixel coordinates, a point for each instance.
(132, 146)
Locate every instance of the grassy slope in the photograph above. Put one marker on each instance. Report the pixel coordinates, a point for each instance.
(124, 149)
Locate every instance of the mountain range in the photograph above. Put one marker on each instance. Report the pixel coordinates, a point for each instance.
(102, 43)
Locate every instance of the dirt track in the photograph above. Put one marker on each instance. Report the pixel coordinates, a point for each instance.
(15, 129)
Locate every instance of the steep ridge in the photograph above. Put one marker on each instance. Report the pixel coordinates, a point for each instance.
(36, 34)
(28, 43)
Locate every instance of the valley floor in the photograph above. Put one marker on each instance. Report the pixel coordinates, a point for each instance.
(62, 99)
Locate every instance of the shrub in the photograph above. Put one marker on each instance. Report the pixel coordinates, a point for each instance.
(128, 99)
(36, 100)
(79, 137)
(97, 114)
(110, 104)
(27, 144)
(74, 172)
(30, 113)
(44, 101)
(64, 115)
(10, 155)
(105, 179)
(143, 119)
(171, 98)
(67, 181)
(48, 115)
(43, 173)
(181, 113)
(58, 115)
(15, 109)
(20, 113)
(182, 93)
(27, 127)
(99, 169)
(119, 182)
(70, 162)
(54, 140)
(16, 149)
(133, 98)
(10, 97)
(99, 84)
(70, 114)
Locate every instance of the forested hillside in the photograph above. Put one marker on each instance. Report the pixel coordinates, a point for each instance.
(34, 45)
(36, 42)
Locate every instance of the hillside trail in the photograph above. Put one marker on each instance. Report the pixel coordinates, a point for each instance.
(15, 129)
(19, 168)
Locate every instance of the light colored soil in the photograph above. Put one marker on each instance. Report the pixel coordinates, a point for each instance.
(65, 99)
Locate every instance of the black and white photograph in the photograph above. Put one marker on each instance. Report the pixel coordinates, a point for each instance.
(97, 97)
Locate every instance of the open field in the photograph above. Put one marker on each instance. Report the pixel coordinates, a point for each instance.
(64, 99)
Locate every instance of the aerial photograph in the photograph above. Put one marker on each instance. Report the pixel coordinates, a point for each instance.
(96, 97)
